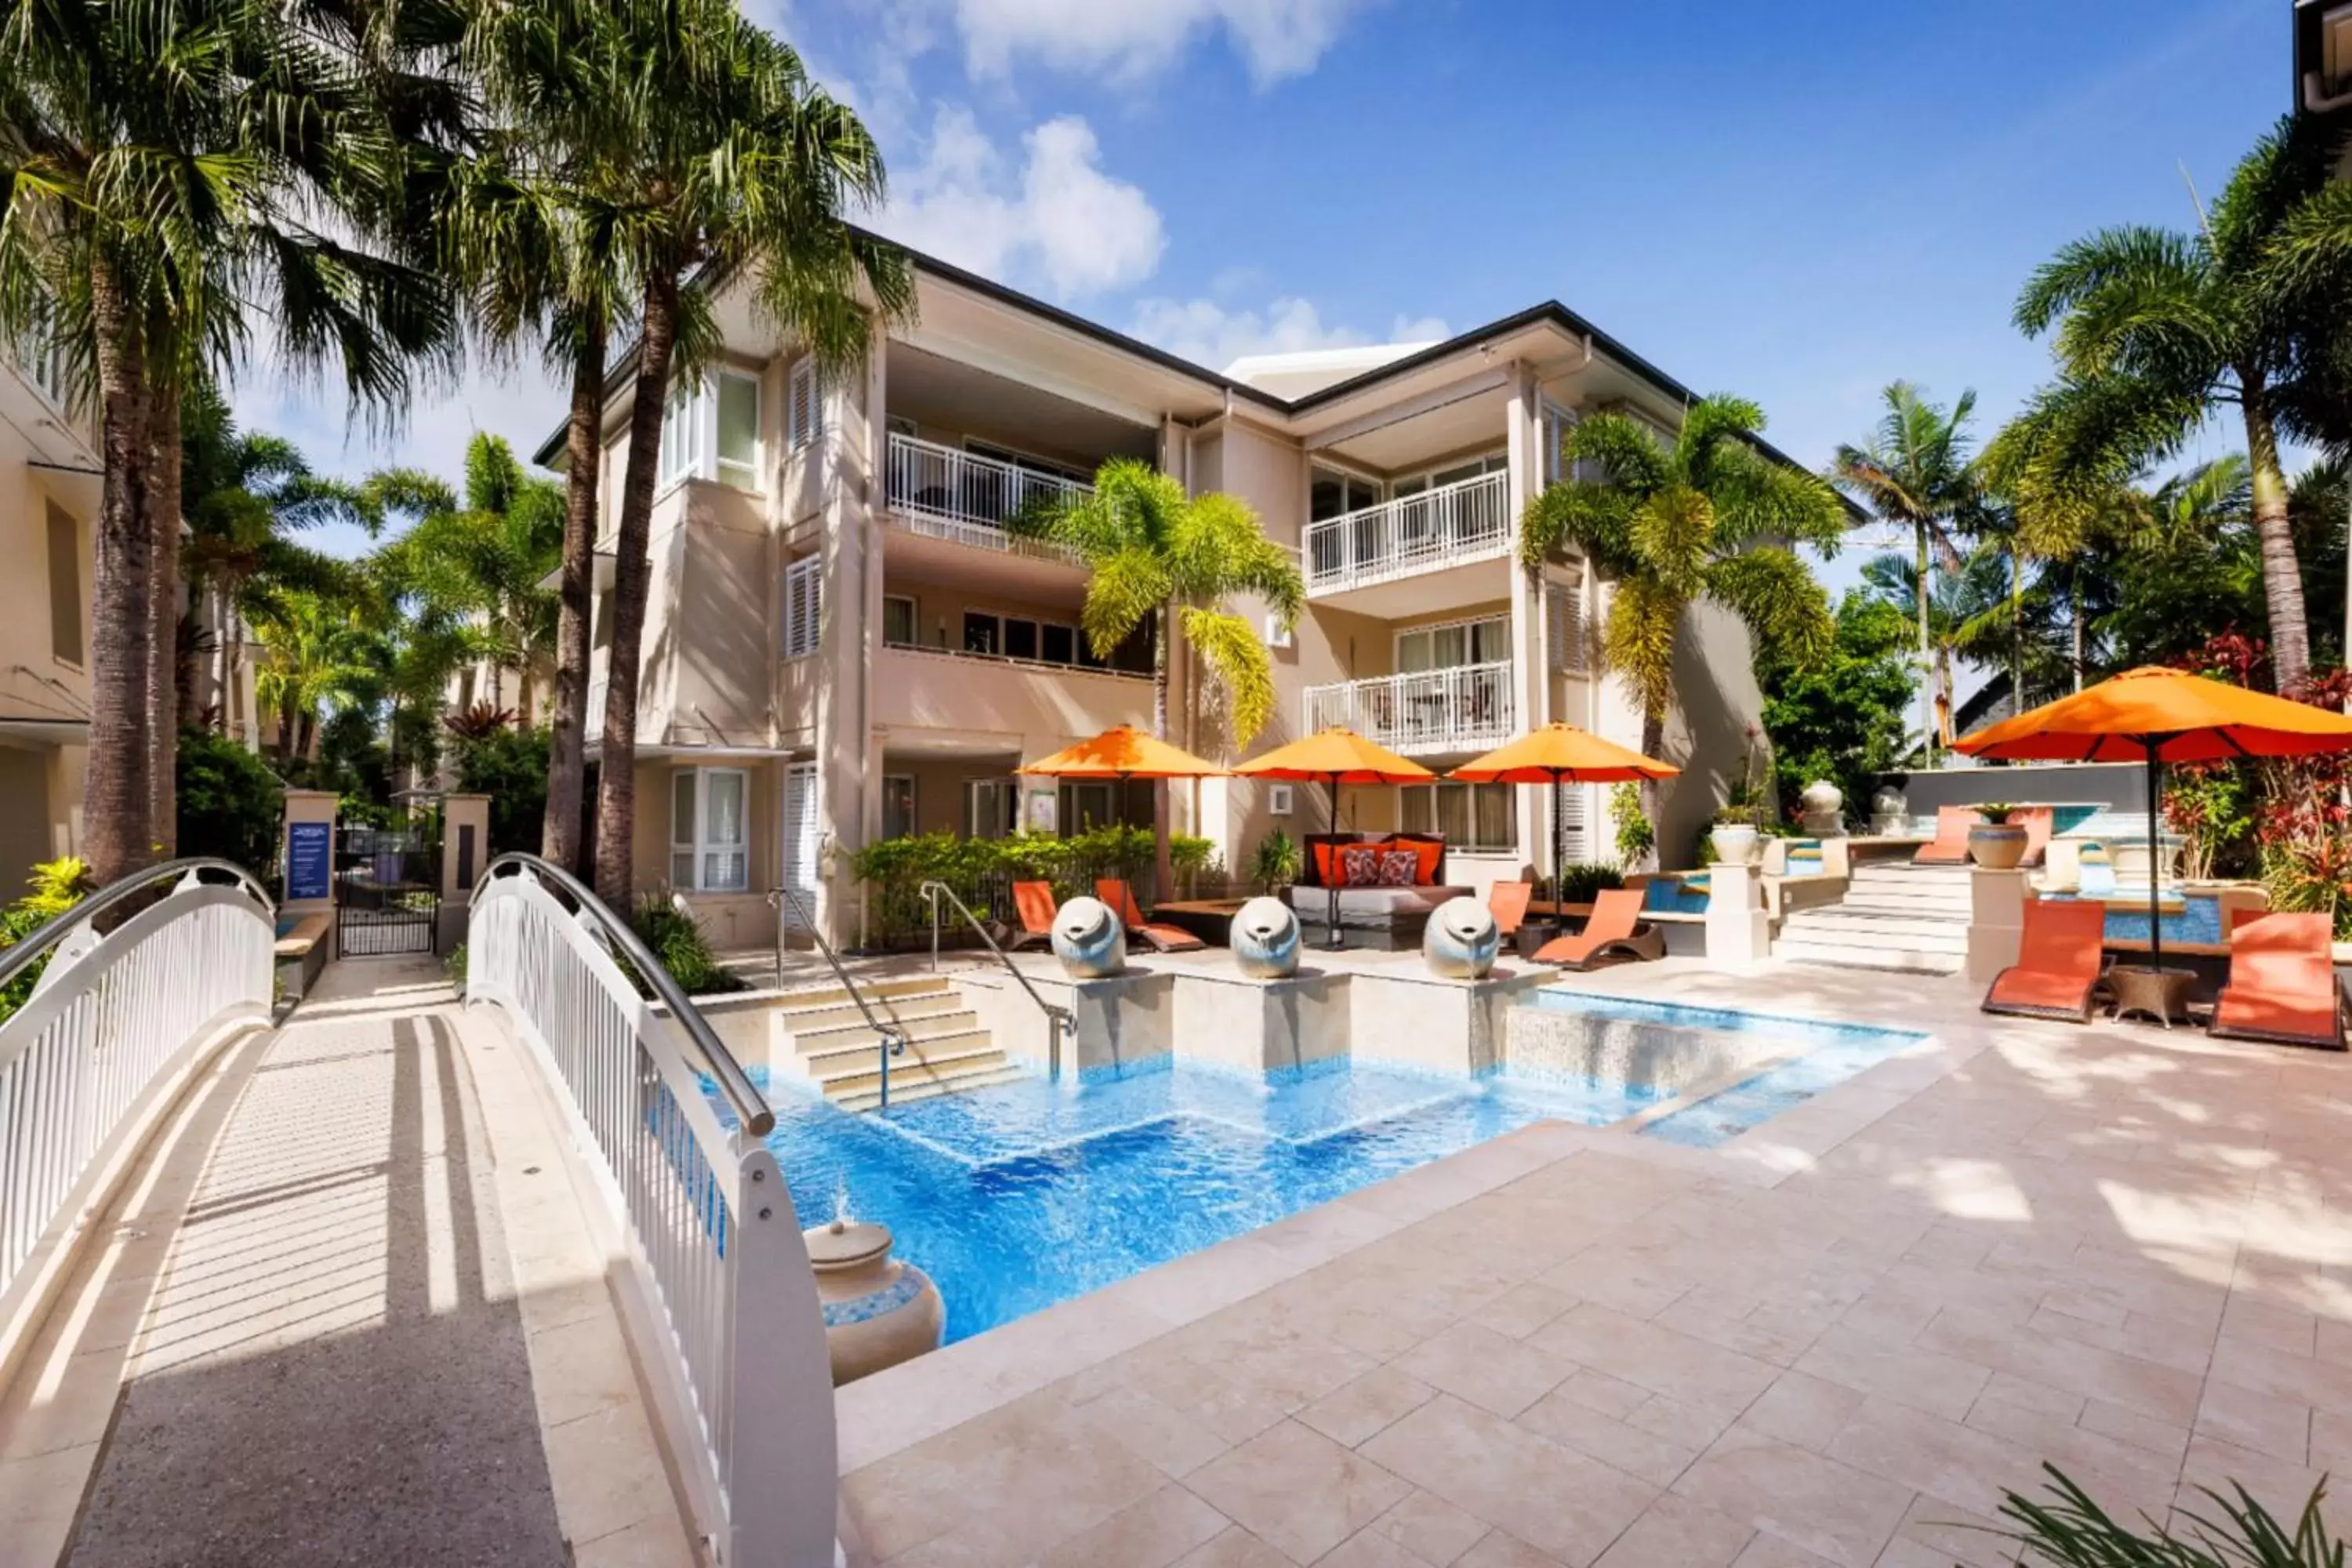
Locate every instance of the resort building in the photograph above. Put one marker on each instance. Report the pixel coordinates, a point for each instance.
(844, 643)
(50, 488)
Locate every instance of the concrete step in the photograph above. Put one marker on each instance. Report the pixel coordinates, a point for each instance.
(1836, 923)
(848, 1047)
(1844, 955)
(950, 1068)
(814, 997)
(1908, 899)
(822, 1025)
(903, 1093)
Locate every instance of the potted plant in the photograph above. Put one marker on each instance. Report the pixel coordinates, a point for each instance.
(1996, 843)
(1734, 836)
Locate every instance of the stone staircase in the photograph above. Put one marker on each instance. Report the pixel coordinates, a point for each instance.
(1894, 915)
(948, 1051)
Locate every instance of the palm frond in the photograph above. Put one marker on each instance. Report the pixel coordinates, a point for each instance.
(1237, 663)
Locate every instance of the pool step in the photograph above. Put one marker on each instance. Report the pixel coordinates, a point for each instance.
(943, 1067)
(948, 1051)
(904, 1008)
(903, 1091)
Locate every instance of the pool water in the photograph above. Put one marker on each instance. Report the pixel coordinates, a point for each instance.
(1017, 1197)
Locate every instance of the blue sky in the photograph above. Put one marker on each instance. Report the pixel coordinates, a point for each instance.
(1796, 203)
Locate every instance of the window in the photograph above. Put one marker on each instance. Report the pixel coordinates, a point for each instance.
(897, 805)
(1334, 494)
(709, 840)
(989, 807)
(739, 430)
(803, 607)
(1452, 645)
(982, 634)
(681, 448)
(1564, 620)
(1478, 819)
(1020, 638)
(1088, 804)
(1555, 425)
(804, 405)
(1057, 645)
(898, 626)
(65, 585)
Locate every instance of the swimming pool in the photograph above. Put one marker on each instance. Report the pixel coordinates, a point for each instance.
(1016, 1197)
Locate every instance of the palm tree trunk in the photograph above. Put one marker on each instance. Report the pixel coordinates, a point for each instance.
(2282, 574)
(164, 653)
(1164, 872)
(616, 796)
(559, 833)
(1653, 740)
(119, 805)
(2074, 616)
(2016, 631)
(1927, 730)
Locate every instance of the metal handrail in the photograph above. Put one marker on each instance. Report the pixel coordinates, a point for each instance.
(750, 1105)
(894, 1039)
(1059, 1020)
(19, 956)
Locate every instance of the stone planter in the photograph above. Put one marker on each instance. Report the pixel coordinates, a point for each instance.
(878, 1311)
(1735, 843)
(1997, 846)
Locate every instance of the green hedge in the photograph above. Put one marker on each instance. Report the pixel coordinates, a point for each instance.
(982, 872)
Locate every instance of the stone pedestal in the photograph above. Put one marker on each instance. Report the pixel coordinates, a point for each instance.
(1996, 921)
(464, 851)
(1738, 932)
(306, 852)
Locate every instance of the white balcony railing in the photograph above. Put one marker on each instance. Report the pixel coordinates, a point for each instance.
(1468, 521)
(1467, 708)
(961, 496)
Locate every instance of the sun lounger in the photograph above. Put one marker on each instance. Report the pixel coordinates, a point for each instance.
(1950, 845)
(1033, 902)
(1113, 891)
(1508, 902)
(2038, 822)
(2282, 984)
(1615, 931)
(2060, 959)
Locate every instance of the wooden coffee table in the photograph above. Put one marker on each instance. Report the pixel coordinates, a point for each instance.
(2158, 993)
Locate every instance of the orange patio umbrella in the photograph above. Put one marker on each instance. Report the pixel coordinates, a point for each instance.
(2162, 716)
(1335, 756)
(1555, 754)
(1123, 752)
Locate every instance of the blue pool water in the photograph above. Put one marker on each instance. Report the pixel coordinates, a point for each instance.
(1015, 1198)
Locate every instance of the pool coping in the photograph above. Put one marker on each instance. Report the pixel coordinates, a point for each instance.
(892, 1411)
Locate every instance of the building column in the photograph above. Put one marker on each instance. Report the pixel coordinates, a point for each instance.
(1530, 676)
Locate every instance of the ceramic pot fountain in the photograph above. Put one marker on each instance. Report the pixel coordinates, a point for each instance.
(879, 1310)
(1461, 940)
(1890, 811)
(1824, 815)
(1735, 843)
(1088, 939)
(1997, 846)
(1265, 940)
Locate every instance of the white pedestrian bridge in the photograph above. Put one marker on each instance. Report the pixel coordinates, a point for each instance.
(390, 1279)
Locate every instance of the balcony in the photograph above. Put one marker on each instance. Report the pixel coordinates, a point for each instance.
(1452, 525)
(937, 689)
(944, 493)
(1432, 712)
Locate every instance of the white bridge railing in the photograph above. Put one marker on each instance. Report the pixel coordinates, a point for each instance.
(112, 1025)
(961, 496)
(1467, 708)
(1448, 526)
(727, 1314)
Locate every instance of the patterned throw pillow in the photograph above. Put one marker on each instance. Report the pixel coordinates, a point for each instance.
(1399, 867)
(1359, 868)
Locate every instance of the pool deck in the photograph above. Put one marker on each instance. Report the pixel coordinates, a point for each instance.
(1833, 1339)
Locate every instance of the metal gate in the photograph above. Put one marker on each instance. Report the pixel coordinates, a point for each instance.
(387, 892)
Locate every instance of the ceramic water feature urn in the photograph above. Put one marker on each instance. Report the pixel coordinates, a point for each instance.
(879, 1310)
(1265, 939)
(1088, 939)
(1461, 940)
(1824, 815)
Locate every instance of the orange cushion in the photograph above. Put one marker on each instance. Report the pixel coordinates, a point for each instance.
(2040, 988)
(1323, 865)
(1430, 854)
(2259, 1013)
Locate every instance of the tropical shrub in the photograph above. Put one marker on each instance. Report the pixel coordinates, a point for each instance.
(56, 886)
(1278, 862)
(683, 950)
(1581, 884)
(230, 802)
(2074, 1532)
(1845, 719)
(511, 767)
(982, 871)
(1635, 836)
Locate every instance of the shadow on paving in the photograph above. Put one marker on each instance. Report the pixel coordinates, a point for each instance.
(324, 1377)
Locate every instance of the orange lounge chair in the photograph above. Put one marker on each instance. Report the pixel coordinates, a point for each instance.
(1033, 902)
(1615, 930)
(2282, 984)
(2038, 822)
(1950, 845)
(1508, 902)
(2060, 959)
(1113, 891)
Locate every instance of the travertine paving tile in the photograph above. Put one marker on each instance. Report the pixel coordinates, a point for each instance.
(1831, 1509)
(1433, 1530)
(1353, 1411)
(1554, 1499)
(1299, 1491)
(1677, 1534)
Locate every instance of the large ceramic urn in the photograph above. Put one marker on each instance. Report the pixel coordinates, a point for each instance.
(879, 1310)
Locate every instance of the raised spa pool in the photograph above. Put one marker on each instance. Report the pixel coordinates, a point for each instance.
(1016, 1197)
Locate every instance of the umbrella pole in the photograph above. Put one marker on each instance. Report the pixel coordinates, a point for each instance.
(1332, 940)
(2154, 905)
(1559, 864)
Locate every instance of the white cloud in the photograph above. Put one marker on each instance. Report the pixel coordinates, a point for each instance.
(1058, 215)
(1211, 334)
(1133, 38)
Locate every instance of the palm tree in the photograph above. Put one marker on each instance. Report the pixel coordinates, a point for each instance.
(1916, 471)
(2157, 327)
(1971, 618)
(163, 171)
(1706, 516)
(315, 654)
(1168, 560)
(718, 161)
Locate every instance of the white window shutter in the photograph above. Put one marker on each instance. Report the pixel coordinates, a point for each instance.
(1277, 634)
(805, 409)
(1564, 615)
(800, 834)
(803, 606)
